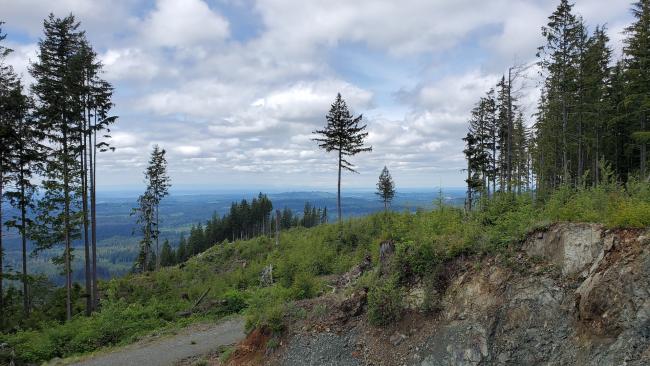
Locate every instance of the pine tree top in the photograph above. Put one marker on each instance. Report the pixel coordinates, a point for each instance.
(385, 186)
(343, 133)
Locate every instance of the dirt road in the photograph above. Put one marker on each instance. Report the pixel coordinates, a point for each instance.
(190, 342)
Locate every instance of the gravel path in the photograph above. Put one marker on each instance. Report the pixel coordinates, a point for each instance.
(322, 349)
(190, 342)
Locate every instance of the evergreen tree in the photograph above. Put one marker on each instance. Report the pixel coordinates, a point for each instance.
(580, 107)
(72, 103)
(596, 80)
(26, 156)
(59, 113)
(146, 220)
(505, 127)
(167, 257)
(637, 80)
(590, 114)
(559, 60)
(385, 188)
(474, 181)
(306, 213)
(309, 216)
(489, 140)
(8, 81)
(158, 184)
(343, 135)
(98, 122)
(617, 148)
(195, 242)
(521, 157)
(481, 125)
(286, 221)
(94, 94)
(181, 252)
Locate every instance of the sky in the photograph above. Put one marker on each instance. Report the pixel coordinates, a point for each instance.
(233, 89)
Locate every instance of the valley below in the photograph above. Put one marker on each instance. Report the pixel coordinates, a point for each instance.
(118, 237)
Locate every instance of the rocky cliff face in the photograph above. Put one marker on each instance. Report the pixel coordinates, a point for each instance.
(576, 294)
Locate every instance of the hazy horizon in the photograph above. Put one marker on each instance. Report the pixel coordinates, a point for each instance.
(208, 188)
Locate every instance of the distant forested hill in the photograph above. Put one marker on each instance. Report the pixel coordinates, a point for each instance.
(117, 246)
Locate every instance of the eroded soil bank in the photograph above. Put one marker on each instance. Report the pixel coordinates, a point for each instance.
(573, 294)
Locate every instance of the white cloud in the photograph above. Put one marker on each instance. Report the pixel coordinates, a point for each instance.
(188, 150)
(185, 78)
(123, 139)
(100, 18)
(130, 64)
(455, 93)
(520, 35)
(197, 98)
(306, 100)
(182, 23)
(20, 59)
(407, 26)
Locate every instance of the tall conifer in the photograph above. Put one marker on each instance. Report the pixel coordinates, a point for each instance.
(637, 79)
(59, 112)
(26, 156)
(345, 136)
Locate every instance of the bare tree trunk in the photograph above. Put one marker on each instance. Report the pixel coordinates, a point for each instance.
(580, 152)
(643, 153)
(510, 132)
(468, 199)
(494, 166)
(92, 139)
(597, 153)
(616, 153)
(277, 228)
(66, 228)
(501, 174)
(2, 303)
(157, 240)
(23, 234)
(338, 195)
(84, 190)
(145, 263)
(565, 160)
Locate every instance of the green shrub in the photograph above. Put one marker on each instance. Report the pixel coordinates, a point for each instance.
(433, 290)
(630, 214)
(266, 308)
(413, 259)
(304, 286)
(384, 304)
(117, 323)
(225, 355)
(234, 302)
(272, 344)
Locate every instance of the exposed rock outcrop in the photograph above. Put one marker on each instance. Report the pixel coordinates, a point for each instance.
(577, 295)
(572, 247)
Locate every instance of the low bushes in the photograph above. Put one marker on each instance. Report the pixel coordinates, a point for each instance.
(117, 323)
(385, 302)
